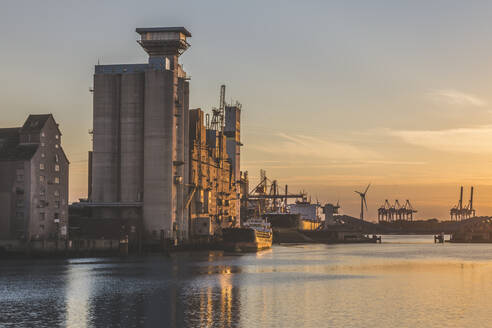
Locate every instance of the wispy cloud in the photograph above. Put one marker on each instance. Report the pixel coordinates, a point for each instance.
(456, 98)
(309, 147)
(328, 164)
(468, 140)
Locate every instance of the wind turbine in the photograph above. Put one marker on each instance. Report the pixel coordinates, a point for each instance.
(362, 201)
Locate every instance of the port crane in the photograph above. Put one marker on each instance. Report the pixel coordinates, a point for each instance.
(218, 114)
(460, 212)
(266, 196)
(396, 212)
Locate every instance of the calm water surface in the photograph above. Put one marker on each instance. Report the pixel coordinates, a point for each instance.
(408, 281)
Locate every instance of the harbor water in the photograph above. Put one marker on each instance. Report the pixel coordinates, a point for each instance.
(407, 281)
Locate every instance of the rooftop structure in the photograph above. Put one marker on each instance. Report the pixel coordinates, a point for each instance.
(163, 41)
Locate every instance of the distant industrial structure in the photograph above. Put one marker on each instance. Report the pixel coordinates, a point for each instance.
(363, 202)
(156, 164)
(331, 212)
(460, 212)
(396, 212)
(266, 197)
(33, 185)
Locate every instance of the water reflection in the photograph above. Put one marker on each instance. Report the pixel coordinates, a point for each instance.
(394, 284)
(78, 289)
(212, 297)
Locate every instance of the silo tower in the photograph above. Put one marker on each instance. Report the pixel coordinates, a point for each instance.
(165, 132)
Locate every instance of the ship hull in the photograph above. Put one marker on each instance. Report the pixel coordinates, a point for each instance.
(246, 240)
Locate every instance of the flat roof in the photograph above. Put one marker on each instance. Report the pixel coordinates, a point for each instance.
(180, 29)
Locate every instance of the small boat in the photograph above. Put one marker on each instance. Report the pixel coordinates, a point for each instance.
(255, 234)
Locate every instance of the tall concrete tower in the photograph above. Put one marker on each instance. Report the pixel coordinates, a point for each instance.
(139, 164)
(232, 131)
(166, 127)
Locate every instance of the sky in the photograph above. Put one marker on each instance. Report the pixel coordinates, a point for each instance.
(335, 94)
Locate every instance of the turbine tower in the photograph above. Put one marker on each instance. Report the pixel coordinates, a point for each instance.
(363, 201)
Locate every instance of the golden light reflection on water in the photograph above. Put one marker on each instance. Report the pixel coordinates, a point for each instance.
(217, 304)
(78, 292)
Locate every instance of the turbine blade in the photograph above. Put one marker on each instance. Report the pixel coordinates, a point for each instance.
(367, 188)
(365, 203)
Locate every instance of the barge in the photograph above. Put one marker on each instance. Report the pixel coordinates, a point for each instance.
(255, 235)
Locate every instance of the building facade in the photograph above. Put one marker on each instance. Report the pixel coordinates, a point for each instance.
(141, 163)
(33, 182)
(215, 195)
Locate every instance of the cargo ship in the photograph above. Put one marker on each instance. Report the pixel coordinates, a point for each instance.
(255, 235)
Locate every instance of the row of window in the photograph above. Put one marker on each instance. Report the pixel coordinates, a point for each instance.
(55, 193)
(42, 167)
(56, 135)
(44, 144)
(57, 159)
(42, 216)
(42, 178)
(20, 201)
(42, 204)
(56, 216)
(56, 180)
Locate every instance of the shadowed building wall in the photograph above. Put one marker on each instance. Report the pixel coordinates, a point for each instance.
(140, 128)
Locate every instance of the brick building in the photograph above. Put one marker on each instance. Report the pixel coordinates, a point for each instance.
(33, 182)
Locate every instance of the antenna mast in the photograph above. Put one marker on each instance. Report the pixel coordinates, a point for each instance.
(222, 105)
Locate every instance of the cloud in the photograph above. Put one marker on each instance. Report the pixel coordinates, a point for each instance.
(456, 98)
(308, 147)
(328, 164)
(467, 140)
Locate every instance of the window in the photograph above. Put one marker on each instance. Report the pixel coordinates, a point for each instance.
(56, 146)
(43, 144)
(41, 203)
(19, 215)
(57, 136)
(57, 193)
(41, 192)
(57, 180)
(42, 216)
(20, 202)
(41, 227)
(57, 218)
(42, 134)
(43, 155)
(20, 177)
(41, 166)
(57, 168)
(56, 158)
(41, 178)
(57, 204)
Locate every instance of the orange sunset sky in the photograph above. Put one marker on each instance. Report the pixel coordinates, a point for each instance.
(335, 94)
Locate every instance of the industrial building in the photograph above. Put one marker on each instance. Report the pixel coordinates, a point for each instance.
(153, 160)
(33, 185)
(215, 195)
